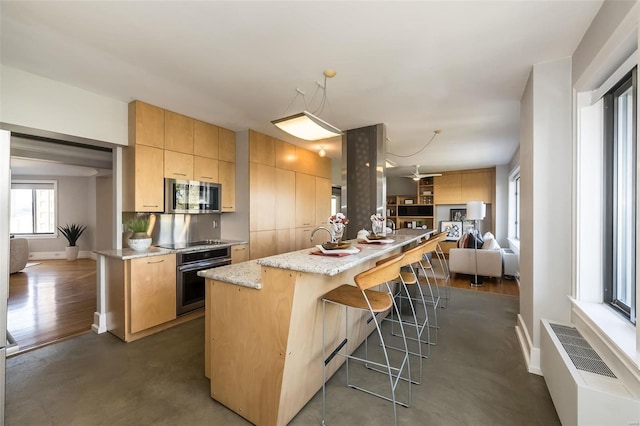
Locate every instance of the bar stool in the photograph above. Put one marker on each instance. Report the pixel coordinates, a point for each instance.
(406, 279)
(433, 298)
(444, 266)
(361, 297)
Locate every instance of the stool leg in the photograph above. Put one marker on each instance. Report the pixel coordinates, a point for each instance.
(324, 365)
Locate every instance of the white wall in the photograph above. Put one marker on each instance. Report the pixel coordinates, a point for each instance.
(546, 220)
(502, 205)
(75, 198)
(41, 103)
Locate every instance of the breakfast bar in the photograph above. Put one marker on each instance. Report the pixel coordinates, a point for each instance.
(263, 326)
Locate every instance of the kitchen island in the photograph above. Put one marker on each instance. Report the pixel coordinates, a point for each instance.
(263, 327)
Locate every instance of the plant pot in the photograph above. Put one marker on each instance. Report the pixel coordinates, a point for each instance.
(139, 241)
(71, 252)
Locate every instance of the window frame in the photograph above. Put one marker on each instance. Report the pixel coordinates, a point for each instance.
(610, 120)
(34, 182)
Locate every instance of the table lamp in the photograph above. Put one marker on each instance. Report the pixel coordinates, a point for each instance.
(476, 210)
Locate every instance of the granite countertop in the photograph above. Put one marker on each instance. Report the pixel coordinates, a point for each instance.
(127, 253)
(248, 274)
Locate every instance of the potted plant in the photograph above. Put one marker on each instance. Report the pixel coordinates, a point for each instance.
(72, 233)
(139, 240)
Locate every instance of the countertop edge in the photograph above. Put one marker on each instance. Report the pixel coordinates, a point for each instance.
(126, 253)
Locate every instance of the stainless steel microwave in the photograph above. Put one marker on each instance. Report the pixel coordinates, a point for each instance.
(190, 196)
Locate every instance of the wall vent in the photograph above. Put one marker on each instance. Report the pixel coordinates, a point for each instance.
(580, 352)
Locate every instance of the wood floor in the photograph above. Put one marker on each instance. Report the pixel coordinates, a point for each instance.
(490, 285)
(51, 301)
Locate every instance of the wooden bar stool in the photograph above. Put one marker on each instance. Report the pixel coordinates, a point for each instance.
(363, 298)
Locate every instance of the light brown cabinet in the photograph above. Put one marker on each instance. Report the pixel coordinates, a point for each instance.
(205, 169)
(205, 140)
(323, 209)
(262, 148)
(262, 187)
(261, 244)
(239, 253)
(146, 125)
(227, 178)
(141, 295)
(178, 132)
(285, 155)
(305, 200)
(285, 197)
(477, 186)
(178, 165)
(448, 188)
(227, 145)
(143, 175)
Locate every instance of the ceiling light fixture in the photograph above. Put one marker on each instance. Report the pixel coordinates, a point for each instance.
(322, 152)
(307, 125)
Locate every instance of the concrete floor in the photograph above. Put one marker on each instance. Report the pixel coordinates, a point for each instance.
(476, 376)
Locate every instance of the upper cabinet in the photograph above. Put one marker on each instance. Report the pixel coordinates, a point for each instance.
(262, 148)
(185, 149)
(466, 185)
(227, 141)
(178, 132)
(146, 125)
(205, 140)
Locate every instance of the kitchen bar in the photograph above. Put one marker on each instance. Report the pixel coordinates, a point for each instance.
(263, 327)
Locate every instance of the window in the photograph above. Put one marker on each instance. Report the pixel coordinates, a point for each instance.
(620, 196)
(33, 207)
(516, 216)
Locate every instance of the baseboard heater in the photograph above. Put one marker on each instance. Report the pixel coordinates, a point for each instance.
(585, 391)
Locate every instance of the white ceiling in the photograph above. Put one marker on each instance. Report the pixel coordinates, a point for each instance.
(415, 66)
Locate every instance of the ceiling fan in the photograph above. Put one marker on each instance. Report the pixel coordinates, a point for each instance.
(416, 175)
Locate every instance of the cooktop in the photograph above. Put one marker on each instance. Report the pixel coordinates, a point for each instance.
(184, 244)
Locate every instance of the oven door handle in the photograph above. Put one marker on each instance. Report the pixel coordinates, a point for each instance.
(203, 265)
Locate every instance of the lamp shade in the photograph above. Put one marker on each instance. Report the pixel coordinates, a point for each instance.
(476, 210)
(307, 126)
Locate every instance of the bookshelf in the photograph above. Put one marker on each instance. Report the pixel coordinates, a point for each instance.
(414, 210)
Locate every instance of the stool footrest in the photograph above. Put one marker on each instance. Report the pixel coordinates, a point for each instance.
(335, 352)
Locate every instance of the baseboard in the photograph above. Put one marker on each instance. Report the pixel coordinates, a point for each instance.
(53, 255)
(531, 354)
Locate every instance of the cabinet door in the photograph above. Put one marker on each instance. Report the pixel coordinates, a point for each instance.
(178, 132)
(285, 193)
(239, 253)
(323, 201)
(447, 189)
(178, 165)
(148, 179)
(262, 244)
(305, 200)
(227, 145)
(285, 240)
(262, 148)
(227, 178)
(146, 125)
(262, 187)
(205, 169)
(303, 238)
(285, 155)
(477, 186)
(152, 291)
(205, 139)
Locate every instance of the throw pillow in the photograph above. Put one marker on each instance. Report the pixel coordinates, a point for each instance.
(472, 239)
(491, 244)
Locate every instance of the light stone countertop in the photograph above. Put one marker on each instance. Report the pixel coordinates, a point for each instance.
(248, 274)
(127, 253)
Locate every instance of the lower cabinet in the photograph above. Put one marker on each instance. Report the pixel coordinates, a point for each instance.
(239, 253)
(141, 295)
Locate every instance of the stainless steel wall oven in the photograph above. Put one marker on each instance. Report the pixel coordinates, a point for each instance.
(189, 286)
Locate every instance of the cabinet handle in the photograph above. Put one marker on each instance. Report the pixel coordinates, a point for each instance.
(227, 207)
(207, 177)
(157, 261)
(149, 205)
(306, 224)
(180, 174)
(239, 249)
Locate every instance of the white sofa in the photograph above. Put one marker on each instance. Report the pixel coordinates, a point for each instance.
(462, 261)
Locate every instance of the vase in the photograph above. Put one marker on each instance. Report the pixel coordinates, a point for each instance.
(71, 252)
(338, 230)
(139, 241)
(378, 227)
